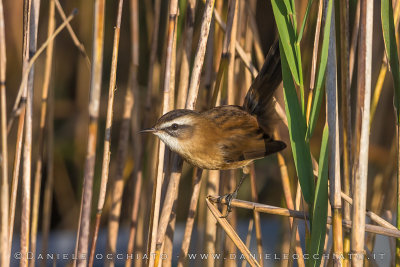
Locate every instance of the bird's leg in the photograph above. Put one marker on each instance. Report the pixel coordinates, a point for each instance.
(228, 197)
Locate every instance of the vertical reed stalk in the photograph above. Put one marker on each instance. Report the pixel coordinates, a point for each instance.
(29, 48)
(211, 224)
(289, 203)
(397, 254)
(134, 227)
(197, 174)
(364, 93)
(107, 135)
(353, 42)
(42, 125)
(225, 49)
(231, 54)
(4, 258)
(132, 94)
(118, 182)
(200, 53)
(345, 112)
(48, 190)
(94, 103)
(186, 53)
(256, 214)
(155, 210)
(334, 165)
(153, 52)
(168, 213)
(25, 212)
(15, 175)
(294, 234)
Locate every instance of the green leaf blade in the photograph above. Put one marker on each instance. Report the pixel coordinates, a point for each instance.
(297, 131)
(320, 208)
(287, 34)
(389, 37)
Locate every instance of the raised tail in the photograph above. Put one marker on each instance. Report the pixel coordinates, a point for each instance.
(259, 99)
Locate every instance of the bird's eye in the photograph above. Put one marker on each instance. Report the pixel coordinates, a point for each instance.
(174, 126)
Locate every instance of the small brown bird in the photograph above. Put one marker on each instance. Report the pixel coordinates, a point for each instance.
(230, 136)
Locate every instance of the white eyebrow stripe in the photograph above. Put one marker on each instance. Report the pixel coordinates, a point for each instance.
(180, 121)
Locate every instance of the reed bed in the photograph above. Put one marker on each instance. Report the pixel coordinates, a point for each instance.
(332, 191)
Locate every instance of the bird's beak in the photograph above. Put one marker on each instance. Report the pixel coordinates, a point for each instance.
(149, 130)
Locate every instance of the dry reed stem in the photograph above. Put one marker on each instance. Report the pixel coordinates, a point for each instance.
(211, 225)
(200, 53)
(171, 197)
(397, 254)
(134, 218)
(33, 20)
(247, 40)
(75, 39)
(4, 160)
(131, 95)
(94, 103)
(42, 125)
(191, 216)
(4, 255)
(373, 216)
(354, 42)
(345, 113)
(364, 97)
(155, 210)
(226, 49)
(25, 212)
(315, 56)
(231, 53)
(15, 176)
(256, 215)
(48, 190)
(289, 203)
(302, 215)
(16, 107)
(153, 53)
(248, 239)
(254, 29)
(294, 234)
(118, 182)
(239, 49)
(231, 232)
(334, 154)
(186, 53)
(105, 169)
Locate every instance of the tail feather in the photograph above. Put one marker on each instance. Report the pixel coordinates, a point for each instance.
(259, 98)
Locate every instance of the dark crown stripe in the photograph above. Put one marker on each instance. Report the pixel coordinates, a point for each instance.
(175, 114)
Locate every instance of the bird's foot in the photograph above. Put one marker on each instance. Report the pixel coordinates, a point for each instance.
(228, 199)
